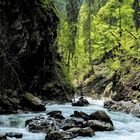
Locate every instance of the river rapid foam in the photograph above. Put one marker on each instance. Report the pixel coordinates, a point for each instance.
(127, 127)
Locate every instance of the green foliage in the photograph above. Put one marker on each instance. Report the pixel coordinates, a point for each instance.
(106, 30)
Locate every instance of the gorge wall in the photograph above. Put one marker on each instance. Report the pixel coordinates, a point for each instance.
(29, 61)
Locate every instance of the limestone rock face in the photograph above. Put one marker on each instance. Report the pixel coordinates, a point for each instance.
(29, 61)
(27, 35)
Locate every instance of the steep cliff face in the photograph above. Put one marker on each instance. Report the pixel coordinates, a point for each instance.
(28, 56)
(120, 85)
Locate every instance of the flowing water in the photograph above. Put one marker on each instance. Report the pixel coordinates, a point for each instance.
(127, 127)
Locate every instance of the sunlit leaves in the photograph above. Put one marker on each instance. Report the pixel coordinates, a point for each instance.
(111, 26)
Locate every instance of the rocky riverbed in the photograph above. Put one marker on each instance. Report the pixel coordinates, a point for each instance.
(126, 126)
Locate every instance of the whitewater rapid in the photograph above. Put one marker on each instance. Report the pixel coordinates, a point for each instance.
(127, 127)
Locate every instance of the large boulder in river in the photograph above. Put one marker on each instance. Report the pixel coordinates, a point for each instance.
(55, 135)
(32, 102)
(97, 125)
(100, 121)
(59, 135)
(56, 114)
(81, 102)
(80, 114)
(101, 116)
(85, 132)
(70, 134)
(43, 125)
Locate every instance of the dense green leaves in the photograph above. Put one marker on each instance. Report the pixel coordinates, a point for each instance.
(106, 31)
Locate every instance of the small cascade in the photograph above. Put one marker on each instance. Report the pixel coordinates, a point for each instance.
(127, 127)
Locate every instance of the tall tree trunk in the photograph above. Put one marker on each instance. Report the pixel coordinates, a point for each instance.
(136, 7)
(88, 34)
(72, 15)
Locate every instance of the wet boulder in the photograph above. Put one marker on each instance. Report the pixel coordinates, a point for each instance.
(97, 125)
(56, 114)
(81, 102)
(55, 135)
(80, 114)
(32, 102)
(14, 135)
(37, 118)
(85, 132)
(43, 125)
(68, 124)
(73, 122)
(100, 121)
(101, 116)
(59, 135)
(53, 113)
(75, 131)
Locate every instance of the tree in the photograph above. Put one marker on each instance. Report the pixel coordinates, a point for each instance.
(72, 14)
(87, 32)
(136, 7)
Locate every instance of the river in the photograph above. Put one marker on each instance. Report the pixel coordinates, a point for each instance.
(127, 127)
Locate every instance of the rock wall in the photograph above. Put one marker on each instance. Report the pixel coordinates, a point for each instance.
(120, 85)
(29, 60)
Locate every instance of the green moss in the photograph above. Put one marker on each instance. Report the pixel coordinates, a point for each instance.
(29, 96)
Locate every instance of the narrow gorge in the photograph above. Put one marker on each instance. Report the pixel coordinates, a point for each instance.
(70, 69)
